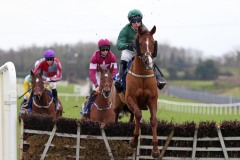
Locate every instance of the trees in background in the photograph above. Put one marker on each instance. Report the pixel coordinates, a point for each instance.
(206, 70)
(75, 61)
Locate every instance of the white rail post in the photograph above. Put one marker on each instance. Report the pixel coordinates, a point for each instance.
(8, 112)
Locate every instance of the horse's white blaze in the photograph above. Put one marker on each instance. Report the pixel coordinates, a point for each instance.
(37, 80)
(148, 55)
(105, 75)
(147, 43)
(150, 61)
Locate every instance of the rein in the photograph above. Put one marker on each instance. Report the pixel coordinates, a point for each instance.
(42, 106)
(40, 96)
(102, 109)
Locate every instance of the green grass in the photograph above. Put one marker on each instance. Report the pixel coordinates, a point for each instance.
(195, 84)
(177, 117)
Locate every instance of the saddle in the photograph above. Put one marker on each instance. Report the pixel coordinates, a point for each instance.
(161, 82)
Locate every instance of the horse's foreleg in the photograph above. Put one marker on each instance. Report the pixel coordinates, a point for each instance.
(131, 117)
(138, 115)
(153, 122)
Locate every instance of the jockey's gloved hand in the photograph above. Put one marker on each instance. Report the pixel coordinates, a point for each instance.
(97, 88)
(130, 46)
(48, 79)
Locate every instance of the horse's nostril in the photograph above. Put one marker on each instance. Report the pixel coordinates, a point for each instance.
(106, 93)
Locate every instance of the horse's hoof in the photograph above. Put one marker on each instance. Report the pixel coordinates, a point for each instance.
(133, 144)
(155, 154)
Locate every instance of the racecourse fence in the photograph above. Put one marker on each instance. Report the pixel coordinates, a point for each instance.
(200, 96)
(8, 112)
(200, 108)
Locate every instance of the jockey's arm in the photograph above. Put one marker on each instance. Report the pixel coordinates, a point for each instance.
(92, 74)
(58, 75)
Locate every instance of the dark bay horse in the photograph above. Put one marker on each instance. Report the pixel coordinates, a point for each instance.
(101, 109)
(119, 105)
(42, 100)
(141, 85)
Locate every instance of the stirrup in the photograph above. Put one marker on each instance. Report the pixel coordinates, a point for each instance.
(161, 83)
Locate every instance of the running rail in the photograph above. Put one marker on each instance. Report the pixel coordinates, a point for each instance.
(8, 112)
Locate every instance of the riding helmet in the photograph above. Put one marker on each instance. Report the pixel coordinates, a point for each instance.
(135, 14)
(103, 42)
(49, 53)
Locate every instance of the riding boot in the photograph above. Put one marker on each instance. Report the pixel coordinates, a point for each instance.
(86, 109)
(55, 99)
(161, 82)
(29, 106)
(118, 81)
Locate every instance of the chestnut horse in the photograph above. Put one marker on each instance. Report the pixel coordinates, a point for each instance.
(101, 109)
(42, 99)
(141, 85)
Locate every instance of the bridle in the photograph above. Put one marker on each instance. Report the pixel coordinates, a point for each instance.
(148, 60)
(40, 94)
(104, 93)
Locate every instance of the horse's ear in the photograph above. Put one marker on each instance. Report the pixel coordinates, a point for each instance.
(32, 74)
(153, 30)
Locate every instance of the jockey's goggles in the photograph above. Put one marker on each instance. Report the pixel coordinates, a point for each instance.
(49, 59)
(136, 20)
(105, 48)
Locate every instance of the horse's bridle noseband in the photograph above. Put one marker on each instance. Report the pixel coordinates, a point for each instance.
(104, 93)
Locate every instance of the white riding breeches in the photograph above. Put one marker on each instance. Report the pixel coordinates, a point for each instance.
(127, 55)
(51, 85)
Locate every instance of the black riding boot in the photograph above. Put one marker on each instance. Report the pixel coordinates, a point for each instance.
(55, 99)
(118, 82)
(160, 80)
